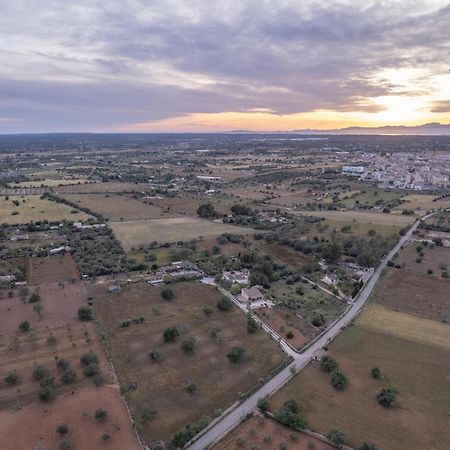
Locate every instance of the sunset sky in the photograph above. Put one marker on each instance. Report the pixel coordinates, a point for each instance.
(170, 65)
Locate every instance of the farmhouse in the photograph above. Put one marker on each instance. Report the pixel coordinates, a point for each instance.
(62, 249)
(181, 269)
(236, 277)
(252, 294)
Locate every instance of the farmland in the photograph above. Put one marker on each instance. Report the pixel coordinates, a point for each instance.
(164, 386)
(117, 207)
(47, 182)
(133, 233)
(417, 421)
(34, 208)
(51, 269)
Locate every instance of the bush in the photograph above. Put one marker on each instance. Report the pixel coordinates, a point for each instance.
(289, 335)
(338, 380)
(89, 358)
(318, 318)
(387, 397)
(252, 326)
(62, 429)
(207, 310)
(68, 376)
(64, 445)
(98, 379)
(101, 414)
(90, 370)
(167, 294)
(34, 298)
(147, 414)
(263, 404)
(106, 437)
(11, 379)
(328, 364)
(337, 437)
(170, 334)
(290, 416)
(40, 372)
(236, 355)
(85, 313)
(47, 394)
(376, 373)
(156, 355)
(224, 304)
(24, 326)
(62, 364)
(188, 346)
(367, 446)
(185, 434)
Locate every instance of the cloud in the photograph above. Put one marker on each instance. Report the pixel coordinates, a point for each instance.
(96, 66)
(442, 106)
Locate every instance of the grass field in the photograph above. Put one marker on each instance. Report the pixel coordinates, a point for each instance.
(33, 208)
(133, 233)
(416, 364)
(188, 205)
(366, 217)
(100, 187)
(423, 202)
(51, 269)
(361, 228)
(117, 207)
(47, 182)
(368, 198)
(162, 386)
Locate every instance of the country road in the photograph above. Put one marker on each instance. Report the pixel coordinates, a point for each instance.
(216, 430)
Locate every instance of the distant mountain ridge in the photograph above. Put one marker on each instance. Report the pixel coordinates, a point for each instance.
(433, 128)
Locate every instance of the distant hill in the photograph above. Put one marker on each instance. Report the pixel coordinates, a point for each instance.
(425, 129)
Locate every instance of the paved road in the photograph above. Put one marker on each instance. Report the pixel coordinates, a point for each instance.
(300, 360)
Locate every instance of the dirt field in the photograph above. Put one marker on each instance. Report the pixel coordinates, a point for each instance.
(283, 320)
(363, 217)
(105, 187)
(284, 254)
(48, 182)
(228, 249)
(133, 233)
(254, 430)
(418, 370)
(359, 228)
(162, 385)
(117, 207)
(420, 295)
(434, 259)
(51, 269)
(187, 205)
(33, 208)
(77, 412)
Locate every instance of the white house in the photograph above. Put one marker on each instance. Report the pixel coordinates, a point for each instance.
(252, 294)
(236, 276)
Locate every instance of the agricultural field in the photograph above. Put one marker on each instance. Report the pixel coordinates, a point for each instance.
(189, 205)
(51, 269)
(133, 233)
(227, 249)
(47, 182)
(178, 387)
(98, 187)
(369, 198)
(365, 217)
(117, 207)
(284, 254)
(34, 208)
(402, 346)
(256, 431)
(357, 228)
(423, 202)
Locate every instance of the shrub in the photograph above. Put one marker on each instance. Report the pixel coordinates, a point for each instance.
(64, 445)
(24, 326)
(338, 380)
(90, 370)
(252, 326)
(68, 376)
(40, 372)
(191, 388)
(367, 446)
(185, 434)
(101, 414)
(62, 364)
(98, 379)
(236, 355)
(376, 373)
(34, 298)
(47, 394)
(337, 437)
(62, 429)
(106, 437)
(11, 379)
(263, 404)
(89, 358)
(167, 294)
(289, 334)
(170, 334)
(224, 304)
(156, 355)
(318, 318)
(328, 364)
(290, 416)
(147, 414)
(85, 313)
(188, 346)
(207, 310)
(387, 397)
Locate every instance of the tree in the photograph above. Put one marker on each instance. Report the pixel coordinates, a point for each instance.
(328, 364)
(89, 358)
(40, 372)
(207, 211)
(387, 397)
(69, 376)
(263, 404)
(85, 313)
(331, 252)
(236, 355)
(47, 394)
(106, 437)
(337, 437)
(62, 429)
(170, 334)
(34, 298)
(37, 308)
(167, 293)
(367, 446)
(338, 380)
(290, 416)
(252, 326)
(224, 304)
(62, 364)
(376, 373)
(90, 370)
(12, 378)
(188, 346)
(147, 414)
(64, 445)
(101, 414)
(207, 310)
(24, 326)
(318, 318)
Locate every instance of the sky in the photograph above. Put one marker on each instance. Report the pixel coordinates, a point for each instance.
(206, 66)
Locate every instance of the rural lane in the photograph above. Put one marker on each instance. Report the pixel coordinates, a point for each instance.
(219, 428)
